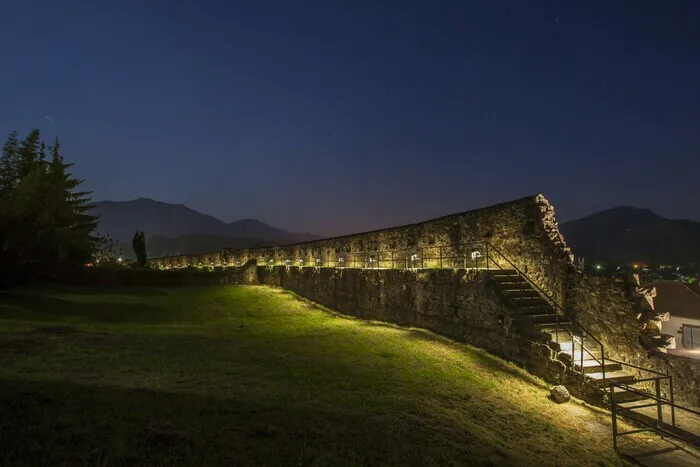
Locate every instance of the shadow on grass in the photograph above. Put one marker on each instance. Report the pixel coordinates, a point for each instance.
(50, 423)
(91, 290)
(44, 307)
(666, 452)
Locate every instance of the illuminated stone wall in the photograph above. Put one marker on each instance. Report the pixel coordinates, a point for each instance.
(454, 303)
(525, 231)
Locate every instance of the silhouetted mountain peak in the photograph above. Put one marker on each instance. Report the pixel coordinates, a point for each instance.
(120, 219)
(626, 234)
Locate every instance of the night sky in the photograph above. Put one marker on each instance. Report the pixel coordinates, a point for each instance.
(342, 116)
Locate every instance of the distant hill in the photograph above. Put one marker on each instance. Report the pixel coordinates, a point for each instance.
(158, 245)
(627, 234)
(175, 227)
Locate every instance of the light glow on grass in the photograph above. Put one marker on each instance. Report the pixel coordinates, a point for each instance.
(280, 379)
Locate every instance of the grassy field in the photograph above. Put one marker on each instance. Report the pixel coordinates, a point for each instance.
(224, 376)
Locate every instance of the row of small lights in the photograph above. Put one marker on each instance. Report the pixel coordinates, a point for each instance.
(414, 257)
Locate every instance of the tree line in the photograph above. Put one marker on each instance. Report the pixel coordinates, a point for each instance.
(44, 214)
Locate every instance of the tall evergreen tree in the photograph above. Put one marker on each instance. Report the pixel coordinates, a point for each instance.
(29, 153)
(9, 163)
(71, 221)
(139, 245)
(43, 214)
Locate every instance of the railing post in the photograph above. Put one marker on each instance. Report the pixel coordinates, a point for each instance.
(583, 370)
(422, 266)
(440, 253)
(573, 352)
(659, 410)
(602, 359)
(487, 256)
(613, 410)
(673, 402)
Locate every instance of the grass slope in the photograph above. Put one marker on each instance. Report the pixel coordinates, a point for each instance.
(217, 376)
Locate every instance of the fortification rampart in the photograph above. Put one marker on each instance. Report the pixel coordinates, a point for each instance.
(525, 231)
(338, 272)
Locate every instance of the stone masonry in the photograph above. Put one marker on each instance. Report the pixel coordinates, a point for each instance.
(425, 275)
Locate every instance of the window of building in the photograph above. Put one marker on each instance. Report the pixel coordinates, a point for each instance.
(691, 337)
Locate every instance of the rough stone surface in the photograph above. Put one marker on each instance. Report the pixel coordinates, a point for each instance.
(686, 377)
(560, 394)
(525, 231)
(455, 302)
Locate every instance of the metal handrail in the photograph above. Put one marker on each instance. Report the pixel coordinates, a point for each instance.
(659, 401)
(639, 368)
(563, 312)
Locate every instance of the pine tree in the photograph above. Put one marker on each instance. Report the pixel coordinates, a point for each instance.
(43, 215)
(9, 163)
(138, 242)
(29, 153)
(71, 221)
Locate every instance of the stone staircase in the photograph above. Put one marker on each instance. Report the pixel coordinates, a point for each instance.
(564, 336)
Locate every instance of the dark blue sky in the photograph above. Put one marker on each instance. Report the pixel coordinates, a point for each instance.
(341, 116)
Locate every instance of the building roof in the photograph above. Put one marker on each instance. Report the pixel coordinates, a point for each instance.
(677, 299)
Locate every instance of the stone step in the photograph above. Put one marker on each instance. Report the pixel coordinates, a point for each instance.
(563, 332)
(529, 300)
(595, 366)
(547, 320)
(536, 310)
(511, 285)
(590, 354)
(504, 271)
(626, 398)
(619, 376)
(513, 293)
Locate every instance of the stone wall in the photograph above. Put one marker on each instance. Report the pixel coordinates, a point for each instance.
(455, 303)
(367, 275)
(607, 309)
(686, 376)
(524, 231)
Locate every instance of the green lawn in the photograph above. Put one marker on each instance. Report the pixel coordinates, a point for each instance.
(254, 375)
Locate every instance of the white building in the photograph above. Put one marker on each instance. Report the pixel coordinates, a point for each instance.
(683, 306)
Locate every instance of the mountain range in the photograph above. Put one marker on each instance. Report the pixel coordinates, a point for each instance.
(176, 229)
(627, 234)
(623, 234)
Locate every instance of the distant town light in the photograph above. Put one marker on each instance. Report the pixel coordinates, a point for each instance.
(598, 267)
(119, 259)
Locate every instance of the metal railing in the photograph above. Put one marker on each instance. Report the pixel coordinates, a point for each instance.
(454, 256)
(648, 423)
(462, 255)
(559, 312)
